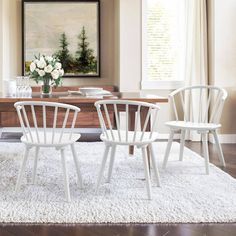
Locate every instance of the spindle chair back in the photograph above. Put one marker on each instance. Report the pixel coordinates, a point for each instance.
(143, 131)
(137, 131)
(51, 132)
(206, 104)
(197, 108)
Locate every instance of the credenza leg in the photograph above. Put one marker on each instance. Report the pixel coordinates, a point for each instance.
(131, 150)
(131, 127)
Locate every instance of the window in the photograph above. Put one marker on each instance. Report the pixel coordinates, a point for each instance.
(163, 43)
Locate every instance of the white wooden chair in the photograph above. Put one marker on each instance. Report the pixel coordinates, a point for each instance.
(139, 137)
(42, 135)
(206, 104)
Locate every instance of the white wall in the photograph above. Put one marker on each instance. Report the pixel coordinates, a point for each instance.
(224, 59)
(130, 60)
(11, 38)
(225, 43)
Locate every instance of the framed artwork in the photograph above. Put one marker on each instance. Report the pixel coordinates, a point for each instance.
(69, 30)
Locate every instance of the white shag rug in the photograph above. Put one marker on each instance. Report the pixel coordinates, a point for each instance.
(186, 193)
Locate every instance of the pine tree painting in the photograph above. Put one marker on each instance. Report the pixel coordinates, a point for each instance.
(85, 59)
(83, 62)
(64, 55)
(71, 32)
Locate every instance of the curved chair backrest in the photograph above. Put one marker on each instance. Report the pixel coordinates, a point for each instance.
(37, 130)
(205, 102)
(108, 111)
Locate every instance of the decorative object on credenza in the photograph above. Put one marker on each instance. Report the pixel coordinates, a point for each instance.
(23, 88)
(69, 30)
(91, 92)
(17, 88)
(9, 88)
(47, 70)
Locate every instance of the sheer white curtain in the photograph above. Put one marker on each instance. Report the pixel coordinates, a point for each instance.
(196, 60)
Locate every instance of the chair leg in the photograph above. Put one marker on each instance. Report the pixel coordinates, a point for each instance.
(182, 142)
(220, 152)
(169, 144)
(79, 176)
(206, 153)
(147, 174)
(154, 165)
(102, 166)
(149, 160)
(22, 169)
(66, 180)
(35, 164)
(112, 159)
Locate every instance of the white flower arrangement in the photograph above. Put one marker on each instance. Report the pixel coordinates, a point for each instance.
(47, 69)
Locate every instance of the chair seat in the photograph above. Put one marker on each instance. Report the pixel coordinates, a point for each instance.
(146, 138)
(192, 125)
(66, 139)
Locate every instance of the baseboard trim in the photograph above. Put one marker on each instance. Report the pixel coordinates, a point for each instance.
(224, 138)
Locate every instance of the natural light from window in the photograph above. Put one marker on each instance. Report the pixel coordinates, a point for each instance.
(164, 40)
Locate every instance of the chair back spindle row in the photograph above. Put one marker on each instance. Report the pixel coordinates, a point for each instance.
(200, 104)
(29, 122)
(131, 131)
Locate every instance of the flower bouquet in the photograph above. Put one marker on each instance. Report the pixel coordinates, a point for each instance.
(47, 69)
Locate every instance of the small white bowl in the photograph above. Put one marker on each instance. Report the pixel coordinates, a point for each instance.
(90, 90)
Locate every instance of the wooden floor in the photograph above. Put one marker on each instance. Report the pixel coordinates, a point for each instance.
(138, 229)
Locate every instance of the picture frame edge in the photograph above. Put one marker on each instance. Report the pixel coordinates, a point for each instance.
(98, 75)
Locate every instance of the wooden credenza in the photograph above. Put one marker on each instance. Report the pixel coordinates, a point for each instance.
(87, 117)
